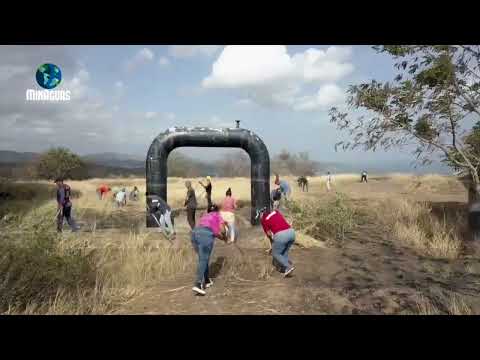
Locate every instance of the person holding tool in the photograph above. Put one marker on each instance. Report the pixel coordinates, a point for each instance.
(208, 191)
(162, 213)
(229, 205)
(190, 204)
(64, 206)
(210, 226)
(281, 236)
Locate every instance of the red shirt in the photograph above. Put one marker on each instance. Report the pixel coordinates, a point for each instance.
(103, 189)
(274, 222)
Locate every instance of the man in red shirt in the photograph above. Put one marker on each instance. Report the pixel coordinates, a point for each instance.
(281, 236)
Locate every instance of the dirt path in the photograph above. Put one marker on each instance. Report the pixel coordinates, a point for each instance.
(367, 275)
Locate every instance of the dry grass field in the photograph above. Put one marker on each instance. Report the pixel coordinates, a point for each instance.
(395, 245)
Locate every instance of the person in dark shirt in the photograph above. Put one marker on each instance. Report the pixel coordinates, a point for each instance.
(364, 177)
(208, 192)
(190, 204)
(64, 206)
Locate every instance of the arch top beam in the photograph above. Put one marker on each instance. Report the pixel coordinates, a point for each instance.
(164, 143)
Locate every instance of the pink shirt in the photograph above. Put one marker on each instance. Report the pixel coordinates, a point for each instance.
(213, 221)
(229, 204)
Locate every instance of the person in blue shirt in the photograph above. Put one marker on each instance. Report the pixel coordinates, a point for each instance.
(64, 206)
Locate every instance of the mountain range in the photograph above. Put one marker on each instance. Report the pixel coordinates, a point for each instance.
(137, 164)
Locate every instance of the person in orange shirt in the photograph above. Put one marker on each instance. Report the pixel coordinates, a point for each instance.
(102, 191)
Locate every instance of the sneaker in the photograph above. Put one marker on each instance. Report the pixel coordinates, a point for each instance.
(199, 289)
(289, 271)
(208, 283)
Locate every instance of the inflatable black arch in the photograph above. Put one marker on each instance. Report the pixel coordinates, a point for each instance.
(163, 144)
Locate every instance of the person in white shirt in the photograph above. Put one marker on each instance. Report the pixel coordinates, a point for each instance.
(121, 198)
(329, 181)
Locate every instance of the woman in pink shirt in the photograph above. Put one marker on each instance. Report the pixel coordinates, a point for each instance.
(210, 226)
(229, 206)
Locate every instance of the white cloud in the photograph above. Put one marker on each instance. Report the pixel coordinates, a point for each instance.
(150, 115)
(170, 116)
(269, 76)
(163, 61)
(185, 51)
(142, 57)
(328, 95)
(320, 65)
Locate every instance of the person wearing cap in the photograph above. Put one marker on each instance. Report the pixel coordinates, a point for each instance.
(210, 226)
(281, 236)
(190, 204)
(208, 191)
(64, 206)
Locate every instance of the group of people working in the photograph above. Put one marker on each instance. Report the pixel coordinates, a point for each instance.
(219, 223)
(119, 195)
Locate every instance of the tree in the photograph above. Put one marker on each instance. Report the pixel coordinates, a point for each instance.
(61, 162)
(234, 165)
(432, 103)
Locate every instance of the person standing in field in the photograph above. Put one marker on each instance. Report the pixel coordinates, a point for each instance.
(134, 194)
(329, 181)
(64, 206)
(210, 226)
(208, 191)
(229, 205)
(364, 177)
(190, 204)
(281, 236)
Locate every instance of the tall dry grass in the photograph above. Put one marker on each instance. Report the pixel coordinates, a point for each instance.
(92, 271)
(413, 224)
(450, 304)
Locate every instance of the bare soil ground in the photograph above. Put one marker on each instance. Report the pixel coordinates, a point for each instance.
(367, 273)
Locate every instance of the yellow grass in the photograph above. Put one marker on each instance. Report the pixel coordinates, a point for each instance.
(130, 259)
(413, 225)
(454, 303)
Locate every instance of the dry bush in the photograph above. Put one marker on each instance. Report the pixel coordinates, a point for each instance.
(413, 224)
(450, 304)
(332, 219)
(42, 272)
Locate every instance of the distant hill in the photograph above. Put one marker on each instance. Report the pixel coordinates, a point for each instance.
(116, 164)
(115, 160)
(17, 157)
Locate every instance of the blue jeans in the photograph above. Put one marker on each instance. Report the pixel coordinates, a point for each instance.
(67, 214)
(282, 241)
(202, 241)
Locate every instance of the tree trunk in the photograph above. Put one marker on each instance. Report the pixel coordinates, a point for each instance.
(473, 186)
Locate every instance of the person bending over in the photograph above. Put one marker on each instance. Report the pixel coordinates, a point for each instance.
(281, 236)
(210, 226)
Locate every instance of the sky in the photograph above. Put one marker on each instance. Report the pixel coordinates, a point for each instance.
(122, 97)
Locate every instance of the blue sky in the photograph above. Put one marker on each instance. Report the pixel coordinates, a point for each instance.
(123, 96)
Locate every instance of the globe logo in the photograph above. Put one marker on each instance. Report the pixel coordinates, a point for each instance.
(48, 76)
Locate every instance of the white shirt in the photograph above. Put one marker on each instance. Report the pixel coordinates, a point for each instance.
(120, 196)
